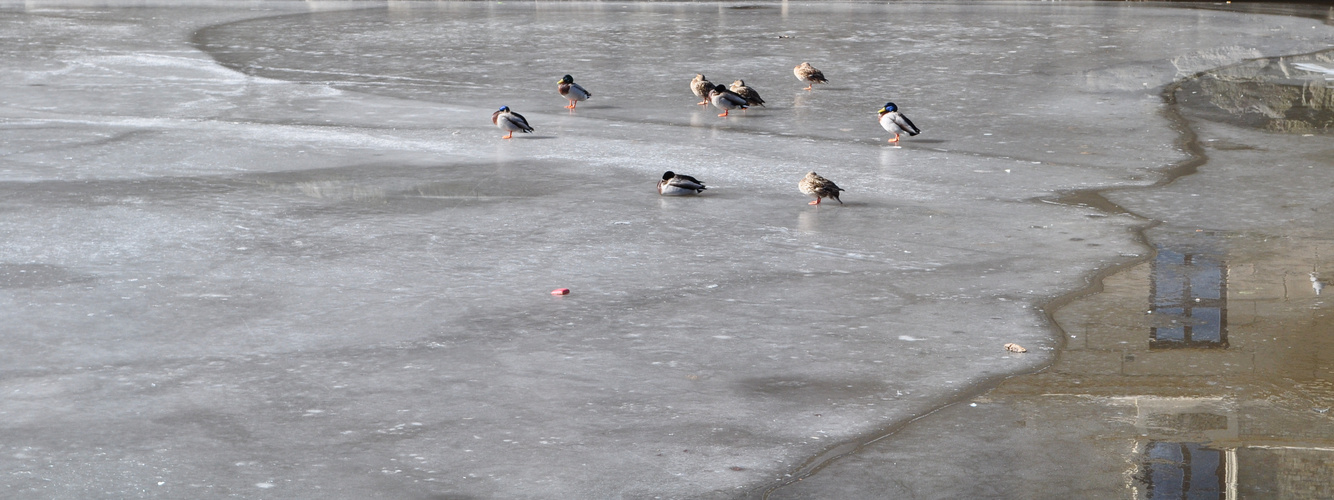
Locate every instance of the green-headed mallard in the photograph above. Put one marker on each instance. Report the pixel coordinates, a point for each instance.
(511, 121)
(894, 122)
(726, 100)
(674, 184)
(572, 91)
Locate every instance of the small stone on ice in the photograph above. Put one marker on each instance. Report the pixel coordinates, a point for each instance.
(1012, 347)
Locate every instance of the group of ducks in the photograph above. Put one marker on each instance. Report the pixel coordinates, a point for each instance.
(674, 184)
(737, 96)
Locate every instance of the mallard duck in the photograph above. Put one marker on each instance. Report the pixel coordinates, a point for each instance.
(674, 184)
(726, 100)
(701, 87)
(572, 91)
(806, 73)
(819, 187)
(894, 122)
(511, 121)
(752, 97)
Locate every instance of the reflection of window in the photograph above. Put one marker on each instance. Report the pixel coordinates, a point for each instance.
(1192, 290)
(1182, 471)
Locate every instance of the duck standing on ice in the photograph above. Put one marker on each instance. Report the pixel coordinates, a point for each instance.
(572, 91)
(701, 87)
(819, 187)
(511, 121)
(896, 123)
(752, 97)
(807, 73)
(726, 100)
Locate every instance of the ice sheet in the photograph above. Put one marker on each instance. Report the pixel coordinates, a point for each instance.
(311, 266)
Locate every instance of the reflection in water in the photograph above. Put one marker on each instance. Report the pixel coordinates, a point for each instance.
(808, 221)
(1247, 416)
(889, 160)
(1282, 94)
(1284, 472)
(799, 100)
(1191, 289)
(700, 118)
(1182, 470)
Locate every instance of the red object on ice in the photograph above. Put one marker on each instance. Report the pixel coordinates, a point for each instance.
(561, 291)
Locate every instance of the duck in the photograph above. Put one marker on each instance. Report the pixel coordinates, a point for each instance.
(752, 97)
(511, 121)
(896, 123)
(819, 187)
(701, 87)
(572, 91)
(726, 100)
(807, 73)
(674, 184)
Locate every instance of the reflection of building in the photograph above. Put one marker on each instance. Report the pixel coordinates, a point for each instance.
(1183, 470)
(1193, 289)
(1214, 324)
(1284, 472)
(1178, 457)
(1191, 470)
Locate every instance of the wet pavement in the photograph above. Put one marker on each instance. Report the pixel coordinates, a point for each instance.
(277, 250)
(1206, 371)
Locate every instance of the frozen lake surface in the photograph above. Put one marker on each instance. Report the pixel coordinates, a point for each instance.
(277, 249)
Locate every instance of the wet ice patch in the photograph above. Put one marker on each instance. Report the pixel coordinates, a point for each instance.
(1314, 68)
(1274, 94)
(1195, 62)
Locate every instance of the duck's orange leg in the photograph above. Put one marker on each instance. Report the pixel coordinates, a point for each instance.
(895, 140)
(509, 136)
(816, 202)
(572, 104)
(808, 87)
(724, 114)
(703, 103)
